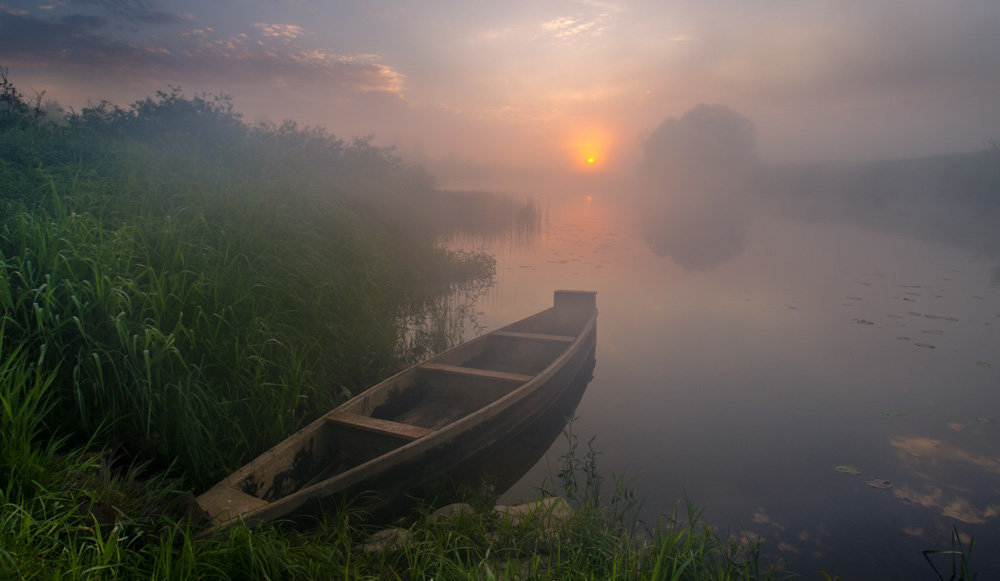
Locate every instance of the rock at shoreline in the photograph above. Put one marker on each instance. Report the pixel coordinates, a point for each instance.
(549, 512)
(383, 540)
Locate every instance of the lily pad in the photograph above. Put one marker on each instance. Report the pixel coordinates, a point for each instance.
(847, 469)
(880, 483)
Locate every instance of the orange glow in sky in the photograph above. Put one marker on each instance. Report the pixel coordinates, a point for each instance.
(589, 149)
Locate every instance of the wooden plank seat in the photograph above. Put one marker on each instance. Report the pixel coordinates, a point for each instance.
(387, 427)
(476, 372)
(535, 336)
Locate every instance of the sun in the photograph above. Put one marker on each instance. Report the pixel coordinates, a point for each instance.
(588, 149)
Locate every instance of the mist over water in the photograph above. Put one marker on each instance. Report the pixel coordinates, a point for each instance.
(809, 352)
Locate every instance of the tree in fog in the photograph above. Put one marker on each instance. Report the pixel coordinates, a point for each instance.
(708, 150)
(694, 174)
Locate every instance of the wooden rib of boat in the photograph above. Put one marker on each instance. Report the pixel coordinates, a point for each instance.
(418, 423)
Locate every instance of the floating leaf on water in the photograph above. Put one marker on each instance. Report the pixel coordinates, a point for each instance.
(934, 332)
(863, 322)
(878, 483)
(847, 469)
(903, 338)
(893, 413)
(986, 420)
(925, 345)
(984, 364)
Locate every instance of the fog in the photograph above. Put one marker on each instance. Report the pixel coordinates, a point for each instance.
(700, 176)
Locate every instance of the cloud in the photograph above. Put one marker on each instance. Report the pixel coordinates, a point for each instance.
(569, 27)
(285, 32)
(86, 44)
(12, 11)
(136, 11)
(74, 40)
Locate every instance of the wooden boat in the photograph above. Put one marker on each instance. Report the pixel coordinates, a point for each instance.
(418, 423)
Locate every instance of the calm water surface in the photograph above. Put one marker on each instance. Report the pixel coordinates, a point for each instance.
(830, 390)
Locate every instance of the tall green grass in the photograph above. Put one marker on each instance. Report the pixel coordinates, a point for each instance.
(202, 288)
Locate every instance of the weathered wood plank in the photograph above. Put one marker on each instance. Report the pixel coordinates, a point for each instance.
(223, 503)
(407, 431)
(535, 336)
(474, 372)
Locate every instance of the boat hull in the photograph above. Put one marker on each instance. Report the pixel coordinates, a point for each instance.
(378, 449)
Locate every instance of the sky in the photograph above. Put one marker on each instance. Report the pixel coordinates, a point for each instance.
(571, 86)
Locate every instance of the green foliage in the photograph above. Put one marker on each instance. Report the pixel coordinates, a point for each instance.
(14, 110)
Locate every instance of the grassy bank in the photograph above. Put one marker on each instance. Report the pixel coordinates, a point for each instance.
(180, 290)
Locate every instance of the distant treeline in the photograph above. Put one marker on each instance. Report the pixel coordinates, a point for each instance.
(191, 288)
(952, 198)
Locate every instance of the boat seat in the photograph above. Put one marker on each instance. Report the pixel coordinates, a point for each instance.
(476, 372)
(535, 336)
(387, 427)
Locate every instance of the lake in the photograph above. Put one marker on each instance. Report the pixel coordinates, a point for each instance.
(830, 390)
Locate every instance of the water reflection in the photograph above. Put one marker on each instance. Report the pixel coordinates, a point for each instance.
(803, 347)
(504, 463)
(697, 235)
(945, 489)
